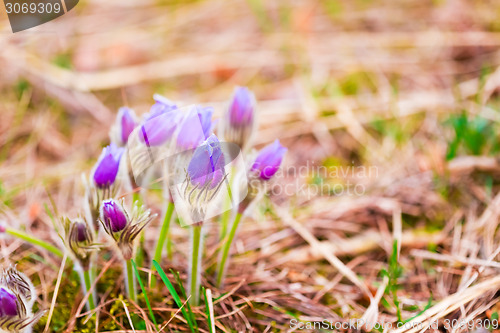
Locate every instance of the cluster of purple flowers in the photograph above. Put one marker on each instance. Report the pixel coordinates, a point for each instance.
(186, 133)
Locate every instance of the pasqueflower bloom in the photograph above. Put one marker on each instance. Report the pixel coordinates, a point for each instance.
(239, 122)
(203, 180)
(8, 304)
(79, 240)
(122, 226)
(206, 168)
(160, 123)
(242, 107)
(107, 166)
(162, 105)
(195, 128)
(18, 283)
(125, 124)
(17, 296)
(268, 160)
(113, 215)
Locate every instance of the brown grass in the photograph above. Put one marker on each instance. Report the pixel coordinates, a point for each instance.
(324, 75)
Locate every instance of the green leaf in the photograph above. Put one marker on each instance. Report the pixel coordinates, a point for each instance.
(136, 272)
(184, 294)
(174, 294)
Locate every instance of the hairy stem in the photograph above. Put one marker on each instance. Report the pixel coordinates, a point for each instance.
(226, 214)
(165, 228)
(139, 256)
(35, 241)
(225, 250)
(87, 284)
(195, 264)
(130, 280)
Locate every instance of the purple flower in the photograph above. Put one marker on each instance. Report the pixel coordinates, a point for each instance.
(113, 216)
(107, 166)
(8, 303)
(81, 232)
(206, 168)
(162, 105)
(242, 107)
(269, 160)
(126, 123)
(195, 128)
(160, 123)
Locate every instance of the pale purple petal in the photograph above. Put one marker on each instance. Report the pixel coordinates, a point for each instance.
(108, 165)
(269, 160)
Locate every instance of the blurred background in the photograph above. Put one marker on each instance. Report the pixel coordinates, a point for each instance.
(408, 87)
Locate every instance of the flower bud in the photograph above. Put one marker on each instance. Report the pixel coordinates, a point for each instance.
(242, 107)
(239, 122)
(124, 226)
(82, 232)
(19, 284)
(269, 160)
(17, 295)
(107, 166)
(126, 123)
(78, 238)
(113, 216)
(206, 167)
(8, 303)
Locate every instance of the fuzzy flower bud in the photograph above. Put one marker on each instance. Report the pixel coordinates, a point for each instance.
(239, 122)
(113, 216)
(206, 168)
(126, 123)
(79, 240)
(197, 195)
(19, 283)
(242, 107)
(17, 295)
(124, 227)
(8, 304)
(269, 160)
(107, 166)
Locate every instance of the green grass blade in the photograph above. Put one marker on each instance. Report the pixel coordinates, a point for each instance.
(174, 294)
(184, 295)
(136, 272)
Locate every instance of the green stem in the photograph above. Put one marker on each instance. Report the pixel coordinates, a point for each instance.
(195, 271)
(226, 214)
(225, 251)
(131, 291)
(139, 256)
(35, 241)
(165, 228)
(87, 281)
(164, 231)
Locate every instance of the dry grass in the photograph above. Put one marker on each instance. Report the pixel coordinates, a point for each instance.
(355, 84)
